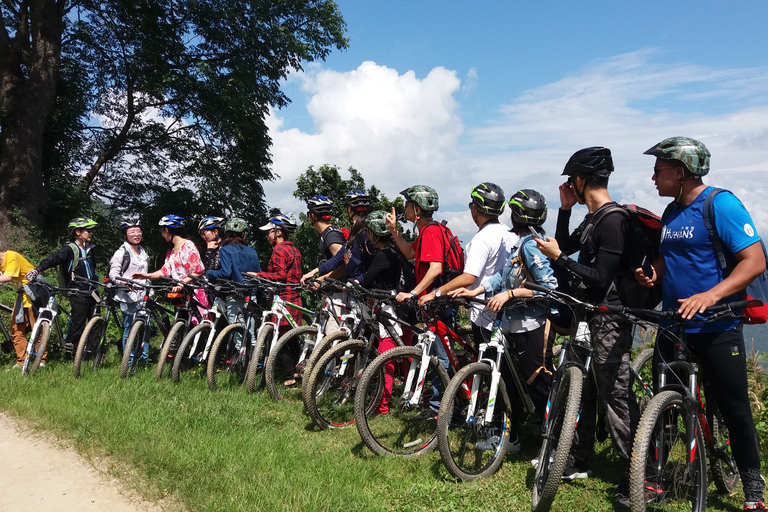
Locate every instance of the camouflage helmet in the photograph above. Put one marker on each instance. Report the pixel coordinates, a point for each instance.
(236, 225)
(690, 153)
(488, 199)
(422, 195)
(81, 223)
(528, 208)
(377, 223)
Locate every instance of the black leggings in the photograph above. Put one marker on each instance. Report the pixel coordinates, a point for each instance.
(724, 366)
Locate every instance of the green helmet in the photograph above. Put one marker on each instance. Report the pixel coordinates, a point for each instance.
(422, 195)
(236, 225)
(377, 223)
(81, 223)
(690, 153)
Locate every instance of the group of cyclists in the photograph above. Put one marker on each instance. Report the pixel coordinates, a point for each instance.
(496, 264)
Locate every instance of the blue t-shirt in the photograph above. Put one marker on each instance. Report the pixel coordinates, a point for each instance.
(690, 263)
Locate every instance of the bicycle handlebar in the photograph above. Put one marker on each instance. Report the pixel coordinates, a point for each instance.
(717, 311)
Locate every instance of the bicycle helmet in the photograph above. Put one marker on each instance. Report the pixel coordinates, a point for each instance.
(422, 195)
(377, 223)
(690, 153)
(281, 222)
(488, 199)
(528, 207)
(320, 205)
(594, 162)
(211, 222)
(130, 221)
(358, 200)
(81, 223)
(236, 225)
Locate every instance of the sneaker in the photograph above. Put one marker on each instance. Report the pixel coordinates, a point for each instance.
(755, 505)
(514, 445)
(652, 492)
(14, 367)
(576, 470)
(427, 414)
(42, 365)
(490, 444)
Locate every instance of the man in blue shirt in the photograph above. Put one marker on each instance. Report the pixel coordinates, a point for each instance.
(692, 281)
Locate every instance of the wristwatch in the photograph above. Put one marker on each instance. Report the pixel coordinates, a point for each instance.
(438, 293)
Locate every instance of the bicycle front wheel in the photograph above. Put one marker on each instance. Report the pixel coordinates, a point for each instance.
(169, 349)
(133, 344)
(185, 360)
(34, 357)
(320, 349)
(254, 375)
(89, 347)
(284, 373)
(660, 477)
(471, 447)
(641, 365)
(400, 422)
(561, 418)
(332, 384)
(226, 362)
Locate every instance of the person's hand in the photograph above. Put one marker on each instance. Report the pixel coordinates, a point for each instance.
(463, 292)
(403, 296)
(426, 298)
(32, 274)
(308, 275)
(696, 304)
(567, 196)
(391, 220)
(644, 280)
(177, 288)
(497, 301)
(549, 247)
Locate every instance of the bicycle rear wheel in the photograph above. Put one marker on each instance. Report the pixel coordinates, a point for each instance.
(469, 448)
(396, 426)
(133, 344)
(659, 476)
(226, 365)
(170, 347)
(33, 359)
(185, 360)
(254, 376)
(561, 418)
(333, 383)
(320, 349)
(285, 369)
(89, 347)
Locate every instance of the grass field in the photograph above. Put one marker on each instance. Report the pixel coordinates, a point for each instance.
(232, 451)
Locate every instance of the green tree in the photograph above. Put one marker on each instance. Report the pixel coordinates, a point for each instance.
(167, 97)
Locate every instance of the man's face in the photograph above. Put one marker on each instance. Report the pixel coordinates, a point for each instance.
(667, 176)
(410, 211)
(133, 235)
(272, 237)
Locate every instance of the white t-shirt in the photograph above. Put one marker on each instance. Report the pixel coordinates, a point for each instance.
(139, 264)
(487, 253)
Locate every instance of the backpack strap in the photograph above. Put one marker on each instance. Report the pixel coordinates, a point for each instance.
(585, 238)
(126, 261)
(708, 214)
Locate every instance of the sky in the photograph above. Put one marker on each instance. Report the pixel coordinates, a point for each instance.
(454, 93)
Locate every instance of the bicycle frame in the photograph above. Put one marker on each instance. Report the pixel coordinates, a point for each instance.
(216, 311)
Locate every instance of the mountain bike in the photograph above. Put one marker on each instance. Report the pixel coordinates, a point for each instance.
(668, 467)
(94, 342)
(48, 319)
(403, 422)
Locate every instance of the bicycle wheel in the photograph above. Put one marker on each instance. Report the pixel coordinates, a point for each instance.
(169, 350)
(184, 359)
(561, 415)
(254, 375)
(333, 383)
(132, 344)
(286, 363)
(724, 471)
(641, 365)
(320, 349)
(89, 347)
(226, 362)
(660, 459)
(33, 359)
(396, 426)
(460, 439)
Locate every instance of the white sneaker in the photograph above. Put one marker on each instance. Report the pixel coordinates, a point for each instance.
(42, 365)
(14, 367)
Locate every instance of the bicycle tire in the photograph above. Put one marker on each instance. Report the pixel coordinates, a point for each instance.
(403, 430)
(291, 345)
(331, 396)
(225, 367)
(563, 409)
(659, 456)
(641, 365)
(32, 360)
(254, 373)
(725, 474)
(170, 348)
(136, 334)
(89, 345)
(184, 361)
(457, 439)
(321, 348)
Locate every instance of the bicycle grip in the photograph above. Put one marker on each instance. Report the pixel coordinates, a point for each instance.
(536, 287)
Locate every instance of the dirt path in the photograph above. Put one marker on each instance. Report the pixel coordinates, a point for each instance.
(38, 476)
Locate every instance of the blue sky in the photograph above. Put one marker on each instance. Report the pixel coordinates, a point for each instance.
(453, 93)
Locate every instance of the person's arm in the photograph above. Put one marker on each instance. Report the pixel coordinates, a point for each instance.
(63, 255)
(402, 244)
(116, 263)
(225, 267)
(457, 282)
(379, 264)
(433, 272)
(5, 278)
(280, 264)
(331, 264)
(334, 248)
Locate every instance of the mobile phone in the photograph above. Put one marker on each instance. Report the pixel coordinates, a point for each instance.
(647, 267)
(535, 233)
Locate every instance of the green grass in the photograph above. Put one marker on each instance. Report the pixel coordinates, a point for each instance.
(232, 451)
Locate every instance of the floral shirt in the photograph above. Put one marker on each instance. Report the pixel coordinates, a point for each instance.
(180, 264)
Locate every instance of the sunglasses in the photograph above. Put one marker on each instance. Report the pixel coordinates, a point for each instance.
(657, 170)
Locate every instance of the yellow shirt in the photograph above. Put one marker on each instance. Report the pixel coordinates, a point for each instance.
(16, 266)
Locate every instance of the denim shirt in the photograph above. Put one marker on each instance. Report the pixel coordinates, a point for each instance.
(536, 269)
(235, 260)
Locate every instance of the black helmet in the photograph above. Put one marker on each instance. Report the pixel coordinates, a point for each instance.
(130, 221)
(488, 199)
(320, 205)
(594, 162)
(528, 207)
(358, 200)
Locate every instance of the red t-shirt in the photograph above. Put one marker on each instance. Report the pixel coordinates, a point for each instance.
(431, 239)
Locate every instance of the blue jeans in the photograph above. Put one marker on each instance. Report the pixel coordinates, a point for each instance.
(235, 307)
(128, 314)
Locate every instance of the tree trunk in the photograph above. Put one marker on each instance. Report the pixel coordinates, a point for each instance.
(28, 76)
